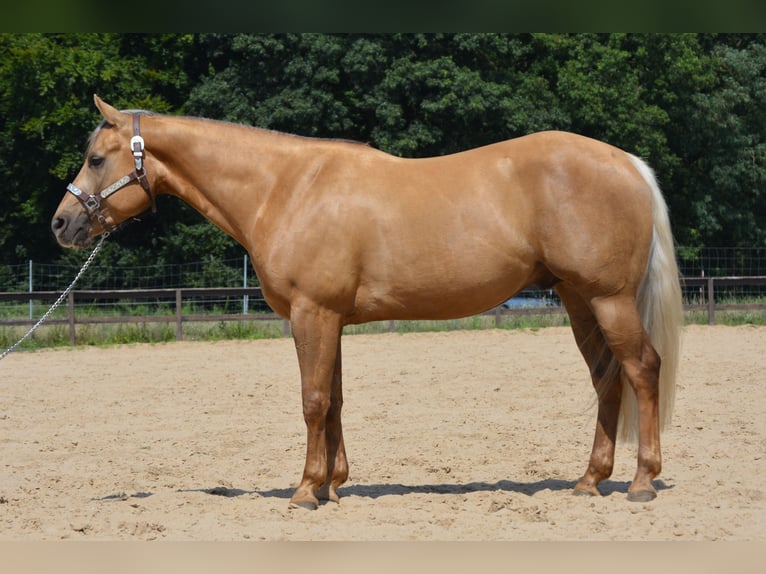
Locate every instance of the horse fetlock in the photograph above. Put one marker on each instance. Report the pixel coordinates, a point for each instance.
(327, 492)
(586, 486)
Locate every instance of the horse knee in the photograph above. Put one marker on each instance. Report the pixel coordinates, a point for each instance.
(315, 406)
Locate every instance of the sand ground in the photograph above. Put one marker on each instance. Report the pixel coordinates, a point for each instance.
(465, 435)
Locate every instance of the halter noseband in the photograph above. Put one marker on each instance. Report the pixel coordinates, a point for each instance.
(92, 203)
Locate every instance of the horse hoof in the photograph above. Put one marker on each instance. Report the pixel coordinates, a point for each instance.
(581, 492)
(642, 496)
(305, 504)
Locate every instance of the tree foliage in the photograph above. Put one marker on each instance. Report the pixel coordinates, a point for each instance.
(47, 84)
(690, 104)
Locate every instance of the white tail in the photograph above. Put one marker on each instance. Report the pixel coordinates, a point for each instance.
(659, 303)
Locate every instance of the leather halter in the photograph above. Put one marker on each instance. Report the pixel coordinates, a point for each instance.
(92, 203)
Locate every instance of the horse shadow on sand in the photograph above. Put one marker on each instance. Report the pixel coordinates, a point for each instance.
(607, 488)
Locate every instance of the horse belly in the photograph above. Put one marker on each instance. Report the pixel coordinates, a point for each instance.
(440, 259)
(459, 283)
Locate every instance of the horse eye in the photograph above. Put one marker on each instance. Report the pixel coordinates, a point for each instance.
(96, 161)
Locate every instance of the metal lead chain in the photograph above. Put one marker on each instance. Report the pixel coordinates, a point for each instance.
(61, 298)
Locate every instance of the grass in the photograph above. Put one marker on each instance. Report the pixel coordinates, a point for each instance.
(731, 318)
(88, 334)
(477, 322)
(125, 333)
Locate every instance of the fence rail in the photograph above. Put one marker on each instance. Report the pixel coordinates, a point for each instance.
(704, 300)
(707, 299)
(174, 296)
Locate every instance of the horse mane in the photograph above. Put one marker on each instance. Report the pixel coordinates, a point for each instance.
(338, 140)
(105, 124)
(278, 132)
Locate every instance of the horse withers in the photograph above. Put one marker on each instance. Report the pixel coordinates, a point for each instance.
(341, 233)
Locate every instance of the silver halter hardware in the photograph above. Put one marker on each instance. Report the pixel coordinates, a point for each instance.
(137, 145)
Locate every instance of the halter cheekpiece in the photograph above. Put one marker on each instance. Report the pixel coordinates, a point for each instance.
(92, 203)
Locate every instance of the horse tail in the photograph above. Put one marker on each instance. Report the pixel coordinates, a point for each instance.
(659, 304)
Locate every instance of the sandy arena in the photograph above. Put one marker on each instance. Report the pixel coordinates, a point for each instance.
(466, 435)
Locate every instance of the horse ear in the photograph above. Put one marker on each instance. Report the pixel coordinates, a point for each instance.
(111, 115)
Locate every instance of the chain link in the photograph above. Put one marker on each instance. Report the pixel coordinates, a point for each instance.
(61, 298)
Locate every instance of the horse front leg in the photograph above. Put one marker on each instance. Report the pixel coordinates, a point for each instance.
(316, 332)
(337, 464)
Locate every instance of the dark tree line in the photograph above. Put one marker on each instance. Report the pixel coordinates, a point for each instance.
(690, 104)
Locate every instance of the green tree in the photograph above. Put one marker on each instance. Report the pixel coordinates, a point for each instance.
(726, 175)
(600, 88)
(409, 94)
(47, 82)
(446, 93)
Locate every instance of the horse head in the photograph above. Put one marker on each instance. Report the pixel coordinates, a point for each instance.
(114, 162)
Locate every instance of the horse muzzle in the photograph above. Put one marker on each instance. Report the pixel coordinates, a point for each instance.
(72, 228)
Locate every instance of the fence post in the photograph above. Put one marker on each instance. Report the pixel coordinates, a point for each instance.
(179, 317)
(70, 309)
(244, 285)
(285, 327)
(497, 316)
(710, 302)
(30, 290)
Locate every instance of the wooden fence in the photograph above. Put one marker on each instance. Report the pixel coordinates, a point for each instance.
(157, 295)
(707, 287)
(706, 298)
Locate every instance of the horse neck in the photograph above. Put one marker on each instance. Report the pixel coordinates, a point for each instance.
(224, 171)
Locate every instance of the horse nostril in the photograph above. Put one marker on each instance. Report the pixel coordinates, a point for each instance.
(58, 224)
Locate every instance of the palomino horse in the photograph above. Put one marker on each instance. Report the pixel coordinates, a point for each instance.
(340, 233)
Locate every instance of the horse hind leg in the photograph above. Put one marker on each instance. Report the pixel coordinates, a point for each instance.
(624, 333)
(598, 357)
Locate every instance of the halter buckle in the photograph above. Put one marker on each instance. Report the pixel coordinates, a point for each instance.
(137, 146)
